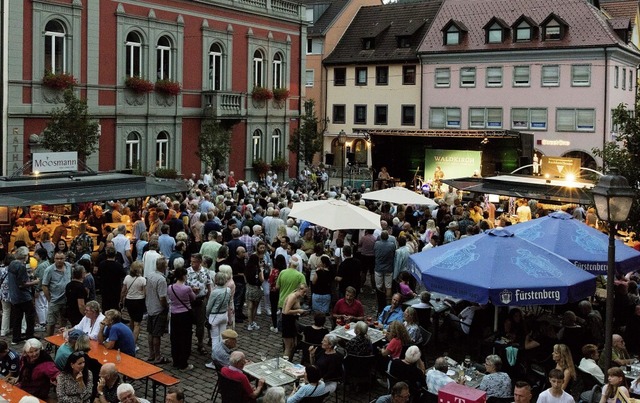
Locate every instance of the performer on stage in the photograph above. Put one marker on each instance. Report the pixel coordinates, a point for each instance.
(383, 178)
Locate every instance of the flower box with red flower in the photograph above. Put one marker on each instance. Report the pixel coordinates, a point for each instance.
(280, 94)
(261, 94)
(138, 85)
(168, 87)
(58, 81)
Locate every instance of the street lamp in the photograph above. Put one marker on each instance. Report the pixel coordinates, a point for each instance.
(342, 140)
(613, 198)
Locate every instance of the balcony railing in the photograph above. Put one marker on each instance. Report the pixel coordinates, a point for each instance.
(224, 104)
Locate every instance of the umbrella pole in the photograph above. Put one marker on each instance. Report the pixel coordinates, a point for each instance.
(495, 325)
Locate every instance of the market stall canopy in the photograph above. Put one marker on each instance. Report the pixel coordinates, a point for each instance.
(52, 190)
(584, 246)
(529, 187)
(399, 195)
(504, 269)
(335, 215)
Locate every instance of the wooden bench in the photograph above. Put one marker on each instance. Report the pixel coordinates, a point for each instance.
(161, 378)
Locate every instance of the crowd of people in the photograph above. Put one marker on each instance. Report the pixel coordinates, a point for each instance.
(216, 258)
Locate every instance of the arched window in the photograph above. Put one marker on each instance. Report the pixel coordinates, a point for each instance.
(55, 60)
(360, 150)
(163, 58)
(256, 142)
(258, 69)
(215, 67)
(162, 150)
(133, 151)
(338, 151)
(276, 144)
(277, 70)
(133, 47)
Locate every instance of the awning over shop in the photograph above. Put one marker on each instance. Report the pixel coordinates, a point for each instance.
(26, 191)
(554, 190)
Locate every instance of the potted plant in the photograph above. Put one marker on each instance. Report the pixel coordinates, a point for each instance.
(58, 81)
(167, 173)
(279, 165)
(261, 167)
(261, 94)
(280, 94)
(168, 87)
(138, 85)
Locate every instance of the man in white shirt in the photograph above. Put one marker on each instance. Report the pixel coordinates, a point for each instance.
(123, 245)
(150, 257)
(555, 394)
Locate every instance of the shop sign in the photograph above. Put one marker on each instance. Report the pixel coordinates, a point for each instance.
(55, 162)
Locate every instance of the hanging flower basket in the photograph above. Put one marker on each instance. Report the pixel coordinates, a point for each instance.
(280, 94)
(139, 85)
(279, 165)
(168, 87)
(261, 94)
(58, 81)
(261, 167)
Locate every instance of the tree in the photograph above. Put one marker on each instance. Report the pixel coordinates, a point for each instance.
(214, 143)
(71, 129)
(624, 154)
(306, 140)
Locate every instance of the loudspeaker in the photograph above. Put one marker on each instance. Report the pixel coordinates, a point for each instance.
(328, 159)
(351, 157)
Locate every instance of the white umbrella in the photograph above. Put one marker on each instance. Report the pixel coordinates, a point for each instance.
(335, 214)
(399, 195)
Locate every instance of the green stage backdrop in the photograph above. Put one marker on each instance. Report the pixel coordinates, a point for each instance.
(454, 163)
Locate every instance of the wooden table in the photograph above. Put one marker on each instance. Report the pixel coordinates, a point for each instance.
(374, 334)
(16, 393)
(129, 366)
(472, 377)
(269, 371)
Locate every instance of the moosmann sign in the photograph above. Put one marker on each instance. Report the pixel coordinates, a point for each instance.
(54, 162)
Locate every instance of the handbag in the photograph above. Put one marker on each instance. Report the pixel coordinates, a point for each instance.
(192, 314)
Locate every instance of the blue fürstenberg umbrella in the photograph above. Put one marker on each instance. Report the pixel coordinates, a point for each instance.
(501, 268)
(584, 246)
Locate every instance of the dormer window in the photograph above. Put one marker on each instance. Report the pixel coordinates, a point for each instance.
(553, 28)
(368, 43)
(495, 30)
(523, 32)
(404, 41)
(453, 36)
(453, 32)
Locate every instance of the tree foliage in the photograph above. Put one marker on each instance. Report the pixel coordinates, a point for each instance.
(214, 143)
(71, 129)
(306, 140)
(624, 154)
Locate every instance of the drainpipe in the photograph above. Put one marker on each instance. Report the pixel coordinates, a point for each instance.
(606, 102)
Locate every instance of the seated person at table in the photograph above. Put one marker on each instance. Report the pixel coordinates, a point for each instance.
(314, 386)
(348, 308)
(619, 354)
(37, 370)
(399, 394)
(437, 376)
(315, 333)
(495, 383)
(615, 389)
(391, 312)
(361, 343)
(84, 344)
(127, 394)
(175, 394)
(555, 393)
(522, 392)
(540, 341)
(328, 361)
(589, 362)
(90, 323)
(425, 301)
(108, 384)
(222, 351)
(115, 335)
(65, 350)
(234, 372)
(75, 381)
(410, 369)
(412, 325)
(398, 340)
(9, 361)
(562, 357)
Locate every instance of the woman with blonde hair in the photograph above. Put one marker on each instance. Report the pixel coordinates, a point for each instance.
(231, 312)
(132, 296)
(562, 356)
